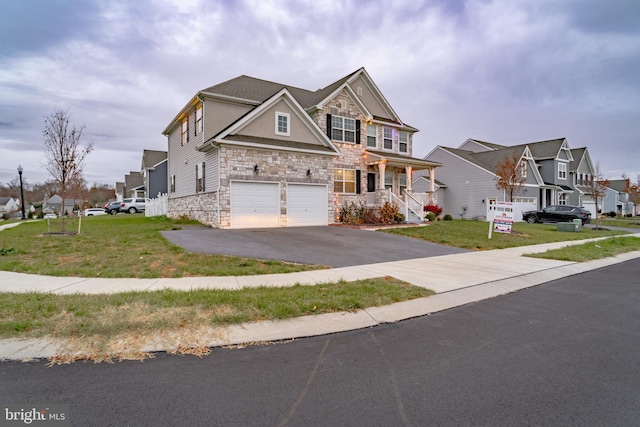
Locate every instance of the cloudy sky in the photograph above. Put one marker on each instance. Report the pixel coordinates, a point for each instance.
(504, 71)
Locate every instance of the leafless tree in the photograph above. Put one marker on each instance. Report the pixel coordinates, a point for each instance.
(597, 186)
(633, 190)
(64, 154)
(511, 175)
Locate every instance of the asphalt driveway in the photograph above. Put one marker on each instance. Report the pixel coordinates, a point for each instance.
(331, 246)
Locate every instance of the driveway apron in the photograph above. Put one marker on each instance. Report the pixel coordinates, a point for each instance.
(330, 246)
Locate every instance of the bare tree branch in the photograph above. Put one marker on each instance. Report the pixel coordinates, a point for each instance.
(511, 175)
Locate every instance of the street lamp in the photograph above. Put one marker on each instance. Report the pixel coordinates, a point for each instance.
(21, 191)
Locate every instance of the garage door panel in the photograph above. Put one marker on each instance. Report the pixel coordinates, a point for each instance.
(255, 205)
(307, 205)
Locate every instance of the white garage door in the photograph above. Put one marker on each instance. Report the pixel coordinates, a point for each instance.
(307, 205)
(255, 204)
(591, 207)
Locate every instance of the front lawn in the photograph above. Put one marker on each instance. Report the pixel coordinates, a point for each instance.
(592, 250)
(474, 234)
(118, 246)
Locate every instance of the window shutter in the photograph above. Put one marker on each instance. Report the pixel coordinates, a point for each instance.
(358, 185)
(357, 131)
(187, 129)
(196, 177)
(203, 176)
(195, 125)
(329, 129)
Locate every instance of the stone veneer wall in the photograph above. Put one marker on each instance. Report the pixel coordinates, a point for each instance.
(237, 163)
(202, 207)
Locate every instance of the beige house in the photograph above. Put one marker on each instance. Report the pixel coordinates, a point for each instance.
(253, 153)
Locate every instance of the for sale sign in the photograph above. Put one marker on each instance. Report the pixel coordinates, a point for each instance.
(502, 218)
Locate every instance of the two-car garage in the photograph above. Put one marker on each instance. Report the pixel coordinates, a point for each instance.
(257, 204)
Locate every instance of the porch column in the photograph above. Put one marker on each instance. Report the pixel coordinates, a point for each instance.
(382, 167)
(409, 171)
(432, 180)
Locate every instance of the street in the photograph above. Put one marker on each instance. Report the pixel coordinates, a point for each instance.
(563, 353)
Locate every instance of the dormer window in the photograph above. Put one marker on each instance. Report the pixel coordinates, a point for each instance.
(282, 124)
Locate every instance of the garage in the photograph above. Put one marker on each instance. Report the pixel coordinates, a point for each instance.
(255, 204)
(591, 207)
(307, 204)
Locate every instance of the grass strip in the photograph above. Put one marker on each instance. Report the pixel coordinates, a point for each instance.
(474, 234)
(32, 315)
(592, 250)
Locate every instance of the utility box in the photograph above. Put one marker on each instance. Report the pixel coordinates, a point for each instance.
(575, 226)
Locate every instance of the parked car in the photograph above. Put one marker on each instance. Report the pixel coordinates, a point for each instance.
(558, 213)
(112, 207)
(50, 216)
(94, 211)
(132, 205)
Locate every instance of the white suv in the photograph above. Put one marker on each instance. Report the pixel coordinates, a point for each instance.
(132, 205)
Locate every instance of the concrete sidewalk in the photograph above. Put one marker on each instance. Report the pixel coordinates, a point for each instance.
(457, 280)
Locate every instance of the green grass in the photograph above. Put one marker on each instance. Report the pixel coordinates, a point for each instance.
(112, 315)
(474, 234)
(620, 222)
(592, 250)
(118, 246)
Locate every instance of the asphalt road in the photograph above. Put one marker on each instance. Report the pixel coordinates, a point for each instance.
(331, 246)
(563, 353)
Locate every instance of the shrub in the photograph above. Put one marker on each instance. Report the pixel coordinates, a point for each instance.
(371, 216)
(431, 216)
(352, 213)
(448, 217)
(388, 213)
(611, 214)
(437, 210)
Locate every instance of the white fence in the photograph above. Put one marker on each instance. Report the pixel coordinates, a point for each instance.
(158, 206)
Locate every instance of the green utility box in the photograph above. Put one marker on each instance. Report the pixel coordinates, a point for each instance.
(575, 226)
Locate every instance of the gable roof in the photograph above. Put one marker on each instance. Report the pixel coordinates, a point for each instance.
(618, 185)
(254, 91)
(151, 158)
(5, 200)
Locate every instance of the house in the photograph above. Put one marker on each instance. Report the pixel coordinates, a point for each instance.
(469, 175)
(133, 185)
(9, 204)
(119, 190)
(54, 205)
(616, 198)
(154, 173)
(254, 153)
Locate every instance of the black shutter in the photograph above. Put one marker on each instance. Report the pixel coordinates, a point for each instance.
(187, 128)
(195, 125)
(329, 129)
(357, 131)
(203, 177)
(358, 185)
(196, 177)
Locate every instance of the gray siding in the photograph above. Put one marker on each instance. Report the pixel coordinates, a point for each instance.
(157, 180)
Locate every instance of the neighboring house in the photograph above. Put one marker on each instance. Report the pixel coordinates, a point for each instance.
(469, 176)
(154, 173)
(616, 198)
(254, 153)
(581, 170)
(9, 204)
(54, 204)
(133, 185)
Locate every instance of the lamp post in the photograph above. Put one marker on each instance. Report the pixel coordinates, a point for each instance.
(21, 191)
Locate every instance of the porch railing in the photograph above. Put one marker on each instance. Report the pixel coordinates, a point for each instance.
(414, 205)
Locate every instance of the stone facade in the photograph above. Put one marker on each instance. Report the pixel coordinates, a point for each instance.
(202, 207)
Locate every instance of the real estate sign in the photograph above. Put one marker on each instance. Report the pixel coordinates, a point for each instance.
(501, 217)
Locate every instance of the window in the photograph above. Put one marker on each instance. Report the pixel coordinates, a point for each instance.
(372, 136)
(200, 177)
(402, 183)
(403, 147)
(282, 124)
(387, 139)
(198, 120)
(172, 184)
(388, 180)
(344, 181)
(562, 200)
(185, 131)
(343, 129)
(562, 171)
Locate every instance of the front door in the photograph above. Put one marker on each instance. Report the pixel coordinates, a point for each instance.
(371, 182)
